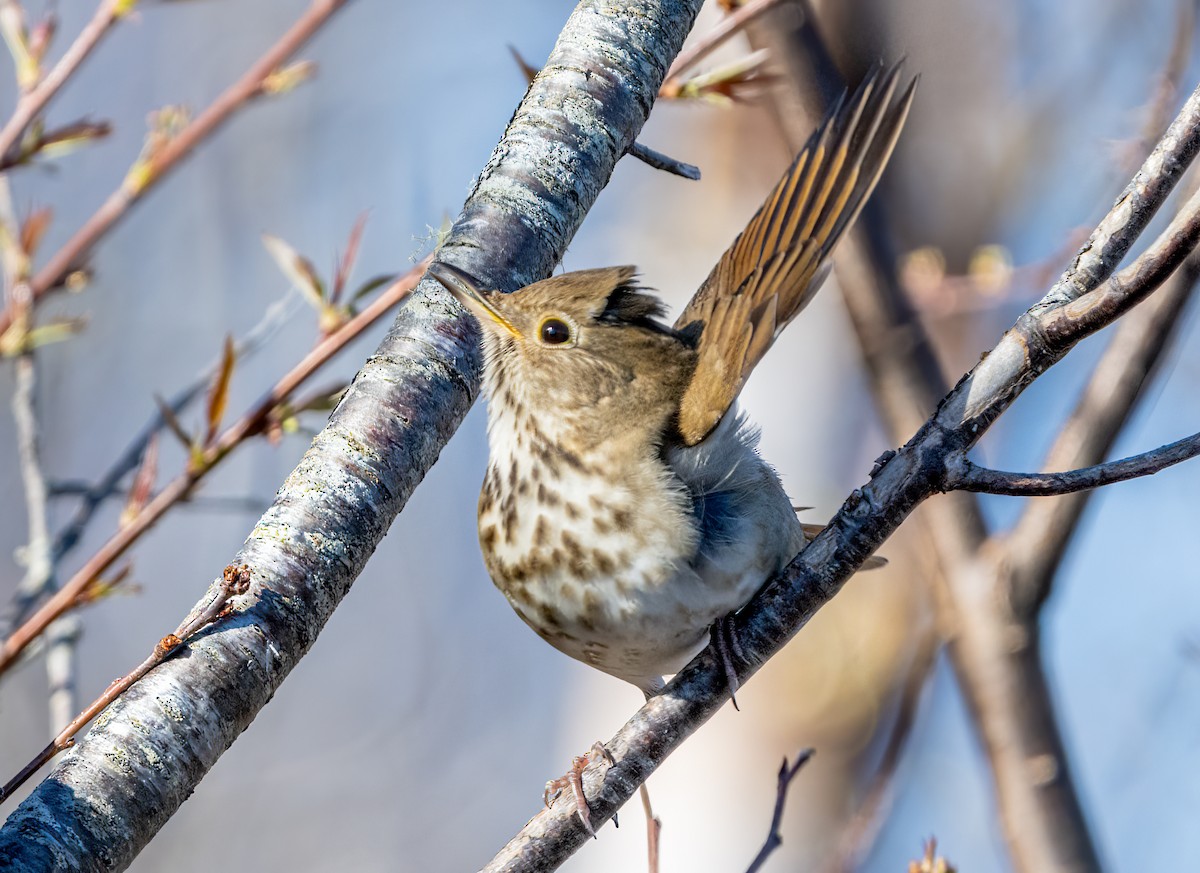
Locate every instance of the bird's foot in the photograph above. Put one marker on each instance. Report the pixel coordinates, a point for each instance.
(573, 779)
(725, 644)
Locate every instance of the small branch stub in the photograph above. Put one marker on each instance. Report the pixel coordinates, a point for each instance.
(963, 475)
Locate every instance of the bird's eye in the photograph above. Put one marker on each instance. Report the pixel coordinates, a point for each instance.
(554, 332)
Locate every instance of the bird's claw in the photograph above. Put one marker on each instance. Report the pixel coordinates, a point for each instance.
(725, 644)
(573, 778)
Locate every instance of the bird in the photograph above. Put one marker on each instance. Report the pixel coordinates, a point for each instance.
(625, 510)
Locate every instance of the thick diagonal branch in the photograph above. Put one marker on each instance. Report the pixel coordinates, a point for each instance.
(111, 794)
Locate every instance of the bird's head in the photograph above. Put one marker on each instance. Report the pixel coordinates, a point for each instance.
(579, 346)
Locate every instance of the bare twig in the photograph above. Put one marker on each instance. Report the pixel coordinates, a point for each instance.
(774, 839)
(1037, 542)
(39, 561)
(235, 581)
(1134, 208)
(61, 674)
(172, 152)
(38, 566)
(659, 161)
(34, 101)
(967, 476)
(250, 424)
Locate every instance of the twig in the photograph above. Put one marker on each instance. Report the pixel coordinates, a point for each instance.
(173, 151)
(1037, 542)
(1117, 294)
(39, 561)
(34, 101)
(966, 476)
(93, 495)
(235, 581)
(659, 161)
(39, 568)
(774, 839)
(250, 424)
(197, 502)
(61, 638)
(1134, 208)
(705, 44)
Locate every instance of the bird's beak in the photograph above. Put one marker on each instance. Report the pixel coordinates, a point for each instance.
(463, 286)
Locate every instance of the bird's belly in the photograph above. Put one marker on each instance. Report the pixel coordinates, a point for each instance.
(634, 611)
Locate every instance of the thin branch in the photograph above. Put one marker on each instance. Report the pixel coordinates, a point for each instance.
(39, 569)
(1134, 208)
(1095, 309)
(235, 581)
(109, 484)
(34, 101)
(158, 165)
(61, 673)
(643, 153)
(1037, 542)
(250, 424)
(774, 839)
(37, 554)
(966, 476)
(659, 161)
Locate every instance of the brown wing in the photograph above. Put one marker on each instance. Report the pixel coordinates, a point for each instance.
(777, 263)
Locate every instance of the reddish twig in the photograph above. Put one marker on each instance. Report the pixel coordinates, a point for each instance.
(250, 424)
(34, 101)
(172, 152)
(236, 580)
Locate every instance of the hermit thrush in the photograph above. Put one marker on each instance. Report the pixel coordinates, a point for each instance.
(625, 507)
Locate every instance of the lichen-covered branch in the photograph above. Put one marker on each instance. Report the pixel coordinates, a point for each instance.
(146, 753)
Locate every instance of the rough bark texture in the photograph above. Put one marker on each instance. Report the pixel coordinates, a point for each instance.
(147, 752)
